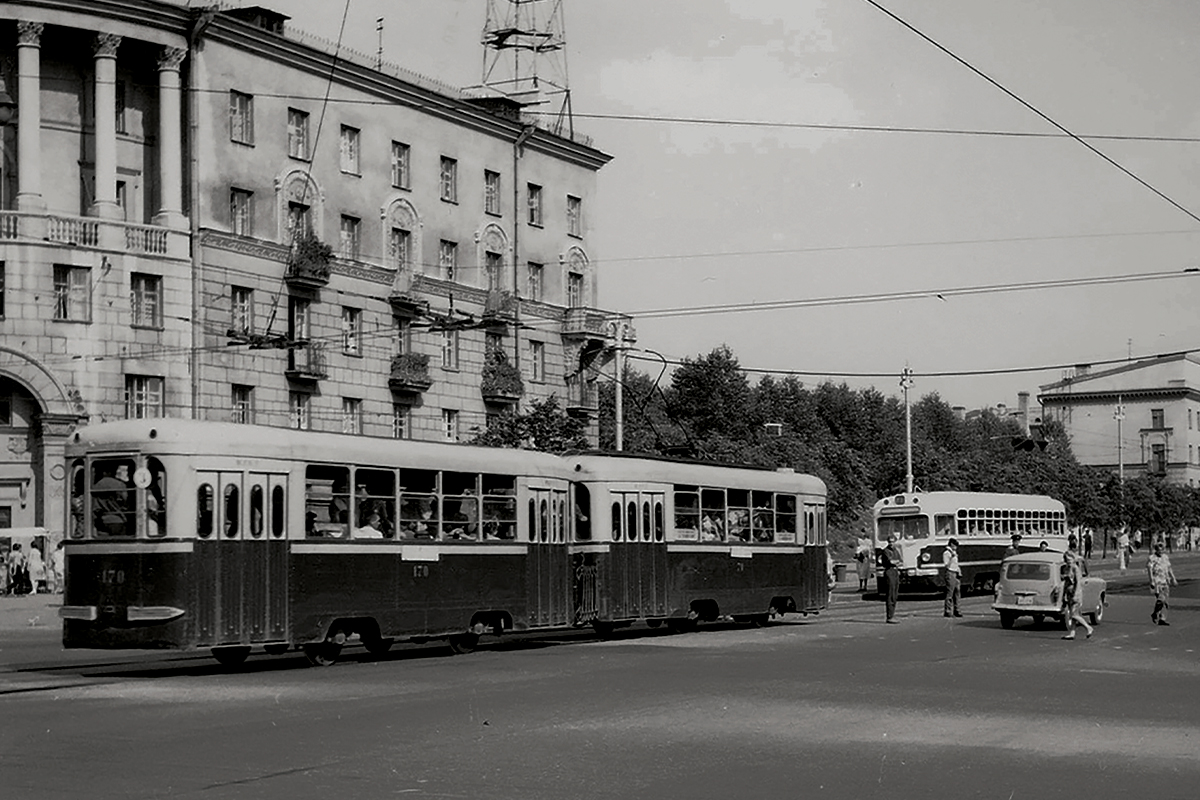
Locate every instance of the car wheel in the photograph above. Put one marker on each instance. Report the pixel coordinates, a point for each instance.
(1098, 615)
(1038, 619)
(1007, 618)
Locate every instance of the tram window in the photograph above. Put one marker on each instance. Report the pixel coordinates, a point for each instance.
(156, 499)
(375, 503)
(204, 511)
(616, 521)
(560, 505)
(810, 525)
(785, 518)
(712, 514)
(763, 516)
(277, 512)
(822, 525)
(738, 524)
(687, 511)
(78, 502)
(658, 520)
(113, 497)
(646, 532)
(499, 484)
(532, 520)
(583, 503)
(631, 521)
(460, 505)
(418, 504)
(231, 510)
(326, 501)
(544, 519)
(499, 518)
(256, 511)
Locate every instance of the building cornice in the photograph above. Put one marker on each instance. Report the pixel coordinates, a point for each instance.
(146, 20)
(1113, 395)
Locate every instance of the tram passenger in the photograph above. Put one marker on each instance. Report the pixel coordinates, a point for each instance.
(710, 528)
(371, 529)
(739, 524)
(465, 523)
(110, 501)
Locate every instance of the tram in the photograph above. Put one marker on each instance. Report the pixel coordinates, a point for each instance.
(196, 535)
(982, 522)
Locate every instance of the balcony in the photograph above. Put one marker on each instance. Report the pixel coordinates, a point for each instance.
(501, 382)
(94, 232)
(499, 309)
(582, 396)
(306, 362)
(308, 264)
(403, 296)
(410, 373)
(596, 325)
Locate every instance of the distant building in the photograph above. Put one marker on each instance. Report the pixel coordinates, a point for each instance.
(166, 184)
(1154, 404)
(1021, 413)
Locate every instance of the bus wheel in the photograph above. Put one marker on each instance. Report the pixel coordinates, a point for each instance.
(275, 649)
(324, 654)
(378, 645)
(1007, 618)
(230, 656)
(463, 643)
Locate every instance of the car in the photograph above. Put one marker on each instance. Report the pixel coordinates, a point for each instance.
(1031, 585)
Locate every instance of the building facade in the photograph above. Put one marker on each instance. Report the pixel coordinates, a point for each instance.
(1138, 418)
(204, 214)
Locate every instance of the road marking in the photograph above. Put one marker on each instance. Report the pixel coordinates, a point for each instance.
(1107, 671)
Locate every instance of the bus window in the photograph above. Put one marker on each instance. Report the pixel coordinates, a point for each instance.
(631, 521)
(905, 528)
(712, 514)
(156, 499)
(616, 520)
(78, 502)
(256, 511)
(326, 501)
(418, 504)
(785, 518)
(277, 511)
(658, 520)
(646, 531)
(460, 505)
(583, 504)
(687, 512)
(738, 524)
(944, 525)
(763, 516)
(204, 511)
(113, 497)
(375, 502)
(232, 509)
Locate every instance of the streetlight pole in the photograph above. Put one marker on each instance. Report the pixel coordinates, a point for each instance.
(1119, 416)
(906, 381)
(618, 394)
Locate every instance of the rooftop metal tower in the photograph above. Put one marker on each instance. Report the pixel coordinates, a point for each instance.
(525, 57)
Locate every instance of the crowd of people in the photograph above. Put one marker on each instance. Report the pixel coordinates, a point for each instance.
(27, 570)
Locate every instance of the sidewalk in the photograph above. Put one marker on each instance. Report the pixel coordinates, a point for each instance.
(31, 611)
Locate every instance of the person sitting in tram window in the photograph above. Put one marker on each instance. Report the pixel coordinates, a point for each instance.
(464, 524)
(110, 501)
(710, 528)
(739, 524)
(371, 529)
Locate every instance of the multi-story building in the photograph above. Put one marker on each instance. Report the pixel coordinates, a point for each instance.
(1140, 418)
(172, 180)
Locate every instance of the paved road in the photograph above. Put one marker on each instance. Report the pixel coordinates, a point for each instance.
(838, 706)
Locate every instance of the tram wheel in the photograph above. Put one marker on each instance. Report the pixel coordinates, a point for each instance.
(275, 649)
(654, 622)
(759, 620)
(324, 654)
(378, 646)
(681, 624)
(463, 643)
(603, 628)
(231, 656)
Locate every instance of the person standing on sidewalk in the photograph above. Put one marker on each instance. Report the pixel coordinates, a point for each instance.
(1123, 550)
(1162, 577)
(890, 558)
(953, 578)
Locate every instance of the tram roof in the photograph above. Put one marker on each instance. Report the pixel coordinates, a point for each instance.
(198, 437)
(941, 501)
(608, 467)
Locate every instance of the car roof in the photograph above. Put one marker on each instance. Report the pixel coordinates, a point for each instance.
(1051, 556)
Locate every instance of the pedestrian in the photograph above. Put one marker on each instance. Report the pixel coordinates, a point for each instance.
(1013, 549)
(17, 574)
(1123, 550)
(1162, 577)
(862, 562)
(37, 570)
(58, 564)
(953, 579)
(1073, 572)
(890, 558)
(1087, 543)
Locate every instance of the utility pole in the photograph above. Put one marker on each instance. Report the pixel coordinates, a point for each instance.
(1119, 416)
(618, 328)
(906, 382)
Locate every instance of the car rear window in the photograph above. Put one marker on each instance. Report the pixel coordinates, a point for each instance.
(1028, 572)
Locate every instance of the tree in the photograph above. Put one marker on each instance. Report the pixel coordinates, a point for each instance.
(544, 427)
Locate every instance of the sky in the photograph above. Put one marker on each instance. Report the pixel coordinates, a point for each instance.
(696, 215)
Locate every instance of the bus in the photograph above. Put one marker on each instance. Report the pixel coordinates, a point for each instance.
(196, 535)
(982, 522)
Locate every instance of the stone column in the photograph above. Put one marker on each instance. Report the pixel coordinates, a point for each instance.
(29, 117)
(104, 201)
(170, 140)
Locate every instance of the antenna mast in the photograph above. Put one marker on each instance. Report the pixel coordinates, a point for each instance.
(525, 56)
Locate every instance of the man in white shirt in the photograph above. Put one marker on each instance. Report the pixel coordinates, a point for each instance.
(953, 579)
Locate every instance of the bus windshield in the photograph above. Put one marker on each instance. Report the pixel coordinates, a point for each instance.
(914, 527)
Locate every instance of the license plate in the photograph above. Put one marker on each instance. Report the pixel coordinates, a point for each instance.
(1024, 601)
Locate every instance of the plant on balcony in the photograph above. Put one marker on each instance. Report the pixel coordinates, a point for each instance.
(501, 379)
(410, 371)
(310, 258)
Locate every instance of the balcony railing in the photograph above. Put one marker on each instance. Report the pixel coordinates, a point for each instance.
(582, 396)
(593, 323)
(306, 362)
(82, 231)
(102, 234)
(410, 373)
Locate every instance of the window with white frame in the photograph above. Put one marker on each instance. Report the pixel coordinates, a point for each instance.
(350, 234)
(491, 192)
(298, 410)
(448, 259)
(145, 300)
(352, 415)
(241, 118)
(450, 424)
(574, 216)
(299, 319)
(450, 349)
(72, 293)
(299, 220)
(241, 307)
(349, 149)
(400, 173)
(241, 212)
(401, 419)
(143, 396)
(351, 331)
(534, 196)
(493, 265)
(574, 290)
(535, 279)
(241, 402)
(537, 361)
(400, 248)
(297, 131)
(449, 179)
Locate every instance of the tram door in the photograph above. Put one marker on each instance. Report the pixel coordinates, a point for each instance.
(242, 566)
(638, 574)
(548, 577)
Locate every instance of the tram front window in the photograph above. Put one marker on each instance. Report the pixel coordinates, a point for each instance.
(905, 528)
(113, 498)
